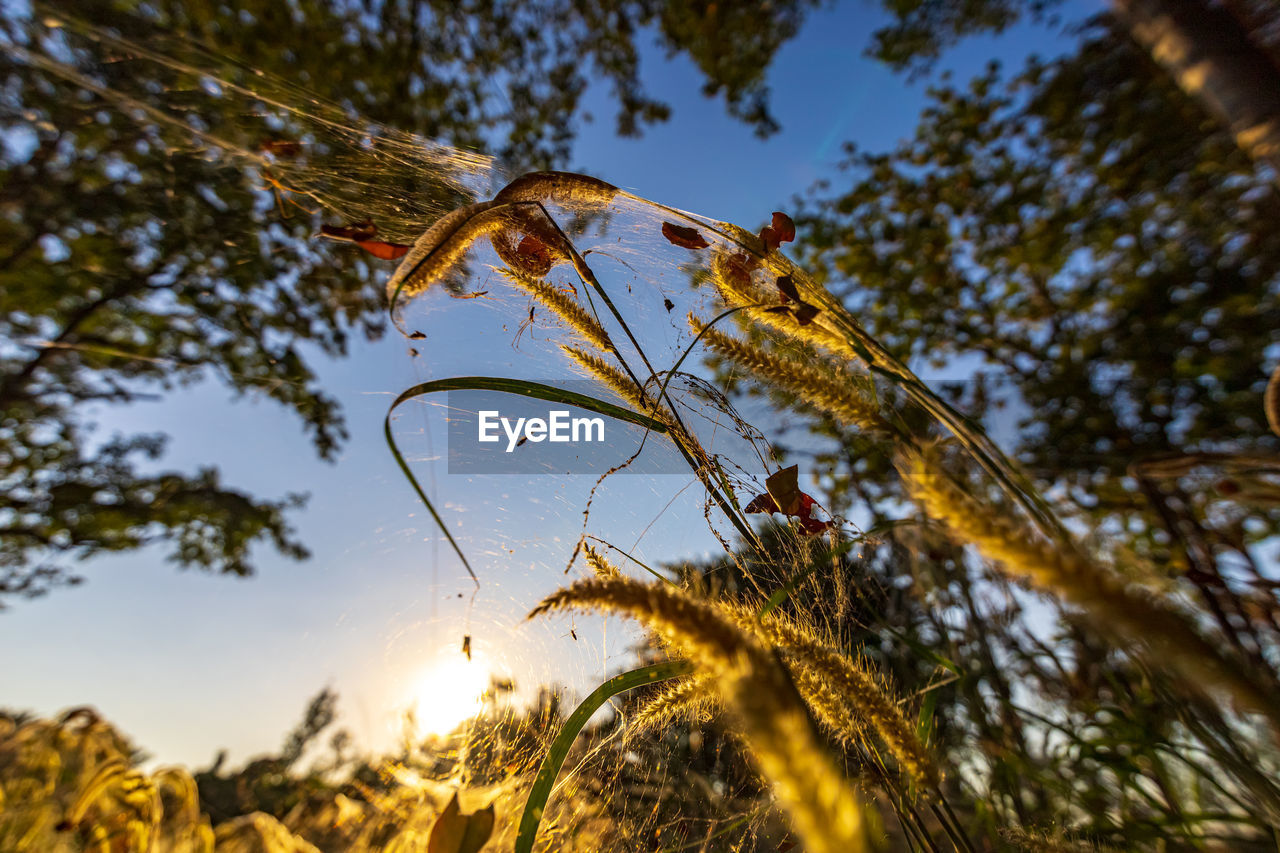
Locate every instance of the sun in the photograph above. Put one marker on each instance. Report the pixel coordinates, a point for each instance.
(450, 691)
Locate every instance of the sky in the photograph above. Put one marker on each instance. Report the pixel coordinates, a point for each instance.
(186, 663)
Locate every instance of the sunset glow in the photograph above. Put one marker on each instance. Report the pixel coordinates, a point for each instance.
(450, 691)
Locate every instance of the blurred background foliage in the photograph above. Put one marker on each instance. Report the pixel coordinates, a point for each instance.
(133, 262)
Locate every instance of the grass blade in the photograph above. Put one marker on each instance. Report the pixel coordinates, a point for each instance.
(509, 386)
(783, 592)
(560, 747)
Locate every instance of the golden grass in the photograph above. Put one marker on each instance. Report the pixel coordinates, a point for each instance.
(845, 397)
(1116, 607)
(602, 567)
(690, 699)
(855, 698)
(69, 785)
(738, 290)
(568, 310)
(619, 382)
(755, 688)
(438, 250)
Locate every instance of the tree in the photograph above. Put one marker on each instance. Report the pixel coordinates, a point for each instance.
(1222, 54)
(160, 200)
(921, 30)
(1109, 252)
(1112, 256)
(1208, 52)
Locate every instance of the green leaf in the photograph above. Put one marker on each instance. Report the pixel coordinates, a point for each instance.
(559, 751)
(924, 728)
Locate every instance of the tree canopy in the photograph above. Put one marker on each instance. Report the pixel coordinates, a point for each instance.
(136, 258)
(153, 234)
(1096, 239)
(1084, 232)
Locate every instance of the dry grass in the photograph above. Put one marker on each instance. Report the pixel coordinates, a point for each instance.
(753, 684)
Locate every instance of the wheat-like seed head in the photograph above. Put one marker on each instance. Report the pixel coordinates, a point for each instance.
(442, 245)
(847, 695)
(568, 310)
(738, 290)
(1061, 569)
(735, 288)
(564, 188)
(692, 699)
(755, 687)
(862, 692)
(618, 382)
(696, 625)
(603, 568)
(832, 391)
(830, 710)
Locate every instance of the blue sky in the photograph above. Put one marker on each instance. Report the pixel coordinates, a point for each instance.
(186, 663)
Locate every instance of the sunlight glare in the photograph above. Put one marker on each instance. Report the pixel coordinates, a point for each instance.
(449, 692)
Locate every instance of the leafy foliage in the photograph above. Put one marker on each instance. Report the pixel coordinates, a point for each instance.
(140, 254)
(1107, 252)
(923, 29)
(72, 783)
(733, 44)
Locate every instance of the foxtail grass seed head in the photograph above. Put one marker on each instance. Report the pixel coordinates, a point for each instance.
(834, 392)
(602, 568)
(441, 246)
(1061, 569)
(444, 243)
(734, 284)
(563, 306)
(690, 699)
(755, 688)
(616, 381)
(737, 288)
(847, 695)
(564, 188)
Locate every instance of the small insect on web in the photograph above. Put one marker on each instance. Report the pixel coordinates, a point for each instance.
(524, 326)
